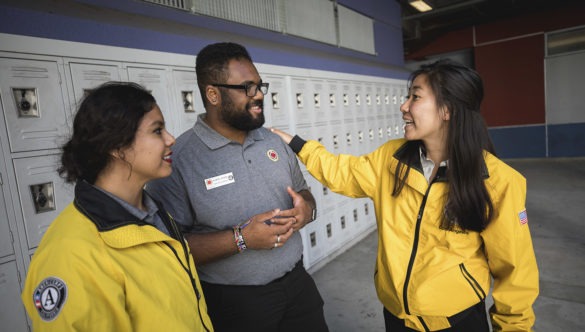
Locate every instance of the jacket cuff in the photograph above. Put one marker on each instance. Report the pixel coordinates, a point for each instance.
(296, 144)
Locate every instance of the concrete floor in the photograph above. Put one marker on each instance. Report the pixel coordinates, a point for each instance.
(556, 215)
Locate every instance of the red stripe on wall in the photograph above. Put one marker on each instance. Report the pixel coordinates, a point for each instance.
(513, 75)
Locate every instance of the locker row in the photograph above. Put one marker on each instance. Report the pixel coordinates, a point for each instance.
(40, 95)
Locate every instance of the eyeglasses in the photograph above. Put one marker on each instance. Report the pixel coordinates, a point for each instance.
(250, 88)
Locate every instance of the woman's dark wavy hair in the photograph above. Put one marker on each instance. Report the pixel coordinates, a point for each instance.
(460, 90)
(212, 62)
(106, 121)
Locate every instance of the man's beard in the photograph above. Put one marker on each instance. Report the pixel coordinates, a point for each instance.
(241, 119)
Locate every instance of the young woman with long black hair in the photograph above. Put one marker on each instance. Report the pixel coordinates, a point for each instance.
(451, 216)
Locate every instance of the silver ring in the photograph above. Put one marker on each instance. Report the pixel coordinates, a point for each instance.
(275, 244)
(278, 239)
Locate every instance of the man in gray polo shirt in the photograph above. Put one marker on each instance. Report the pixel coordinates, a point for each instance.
(240, 196)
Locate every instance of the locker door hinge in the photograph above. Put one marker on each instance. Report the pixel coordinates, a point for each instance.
(1, 181)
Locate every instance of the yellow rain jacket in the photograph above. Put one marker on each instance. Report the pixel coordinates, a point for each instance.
(425, 274)
(98, 268)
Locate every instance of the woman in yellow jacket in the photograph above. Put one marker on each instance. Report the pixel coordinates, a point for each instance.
(450, 215)
(114, 260)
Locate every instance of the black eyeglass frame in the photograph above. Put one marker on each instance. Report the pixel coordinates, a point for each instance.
(262, 87)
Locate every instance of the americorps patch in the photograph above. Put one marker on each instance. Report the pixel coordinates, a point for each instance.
(49, 298)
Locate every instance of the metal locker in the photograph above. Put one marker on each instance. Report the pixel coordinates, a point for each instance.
(42, 194)
(276, 104)
(348, 100)
(303, 101)
(334, 101)
(350, 137)
(359, 100)
(34, 106)
(370, 105)
(338, 137)
(361, 144)
(332, 232)
(87, 76)
(187, 99)
(316, 240)
(344, 222)
(6, 237)
(320, 100)
(156, 80)
(12, 313)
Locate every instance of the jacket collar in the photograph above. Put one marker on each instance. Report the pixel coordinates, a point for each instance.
(101, 209)
(409, 154)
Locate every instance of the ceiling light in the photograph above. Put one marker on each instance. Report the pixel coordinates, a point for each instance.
(420, 5)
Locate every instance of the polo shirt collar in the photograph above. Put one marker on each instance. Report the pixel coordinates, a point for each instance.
(215, 140)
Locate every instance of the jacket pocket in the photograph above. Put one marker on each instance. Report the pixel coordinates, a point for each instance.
(472, 282)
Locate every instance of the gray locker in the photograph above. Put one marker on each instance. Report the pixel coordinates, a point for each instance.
(334, 100)
(34, 106)
(6, 237)
(188, 102)
(370, 99)
(320, 101)
(359, 100)
(156, 80)
(87, 76)
(276, 107)
(12, 313)
(42, 193)
(348, 100)
(303, 101)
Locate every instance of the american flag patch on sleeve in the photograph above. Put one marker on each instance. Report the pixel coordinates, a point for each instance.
(523, 217)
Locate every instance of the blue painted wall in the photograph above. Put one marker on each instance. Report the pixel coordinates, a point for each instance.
(137, 24)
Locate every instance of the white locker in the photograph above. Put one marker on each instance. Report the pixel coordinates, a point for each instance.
(369, 106)
(359, 100)
(316, 240)
(276, 104)
(334, 101)
(348, 100)
(12, 313)
(6, 237)
(303, 101)
(42, 194)
(156, 80)
(344, 222)
(320, 98)
(187, 99)
(87, 76)
(361, 144)
(338, 137)
(34, 106)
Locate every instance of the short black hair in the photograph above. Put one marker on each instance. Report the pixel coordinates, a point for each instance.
(107, 120)
(212, 62)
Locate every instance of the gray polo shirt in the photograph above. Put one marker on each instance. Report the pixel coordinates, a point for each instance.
(217, 183)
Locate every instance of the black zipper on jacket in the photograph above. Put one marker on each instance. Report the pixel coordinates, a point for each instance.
(414, 248)
(175, 230)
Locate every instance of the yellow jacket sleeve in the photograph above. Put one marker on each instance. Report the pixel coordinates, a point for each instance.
(510, 255)
(353, 176)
